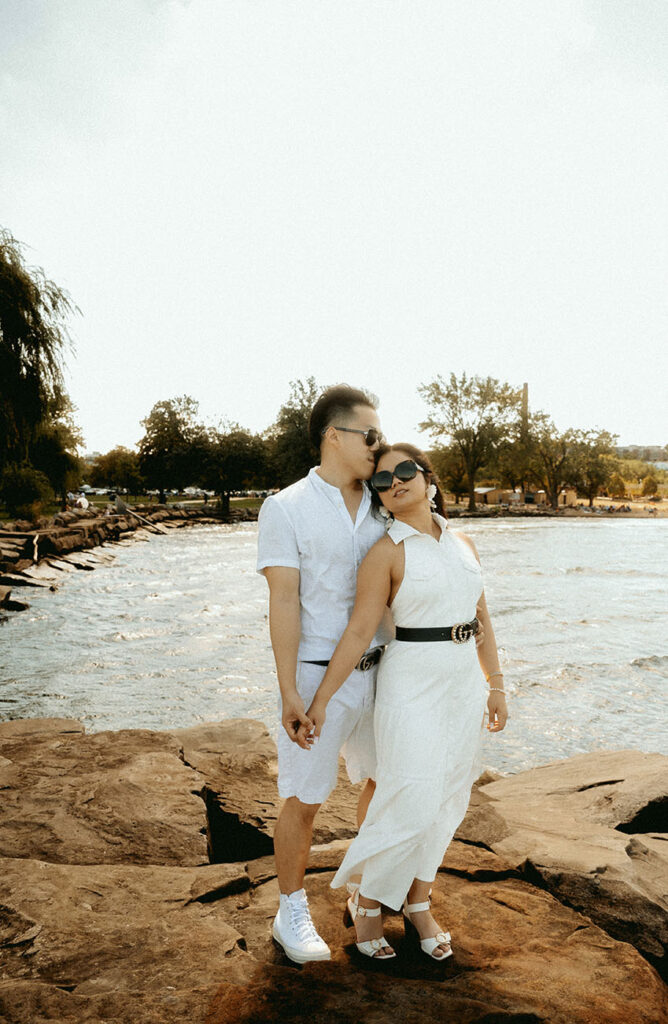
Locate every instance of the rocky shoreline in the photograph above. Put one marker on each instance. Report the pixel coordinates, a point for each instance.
(40, 557)
(138, 887)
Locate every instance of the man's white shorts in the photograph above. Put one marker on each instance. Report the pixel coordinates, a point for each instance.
(311, 775)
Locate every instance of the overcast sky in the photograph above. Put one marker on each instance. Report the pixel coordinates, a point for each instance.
(238, 194)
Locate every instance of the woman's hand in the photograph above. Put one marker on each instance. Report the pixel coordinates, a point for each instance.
(498, 712)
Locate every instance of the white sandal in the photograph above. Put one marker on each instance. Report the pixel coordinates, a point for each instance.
(370, 947)
(429, 945)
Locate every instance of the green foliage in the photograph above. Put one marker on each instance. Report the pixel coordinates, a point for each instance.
(593, 461)
(33, 335)
(650, 486)
(290, 451)
(24, 491)
(616, 486)
(119, 468)
(475, 413)
(450, 470)
(174, 446)
(235, 460)
(552, 464)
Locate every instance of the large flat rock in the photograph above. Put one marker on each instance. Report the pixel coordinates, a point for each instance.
(105, 798)
(114, 942)
(156, 945)
(592, 829)
(237, 760)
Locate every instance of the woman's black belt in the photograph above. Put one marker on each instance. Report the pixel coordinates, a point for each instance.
(459, 634)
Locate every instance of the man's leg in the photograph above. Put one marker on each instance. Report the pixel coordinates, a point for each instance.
(292, 842)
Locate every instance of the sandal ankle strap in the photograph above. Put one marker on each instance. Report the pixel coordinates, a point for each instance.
(416, 908)
(368, 911)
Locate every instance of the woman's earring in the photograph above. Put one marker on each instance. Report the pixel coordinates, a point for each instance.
(431, 494)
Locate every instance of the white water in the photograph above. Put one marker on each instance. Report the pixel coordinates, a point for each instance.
(174, 632)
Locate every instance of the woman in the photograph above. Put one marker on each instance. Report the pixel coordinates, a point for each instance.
(430, 699)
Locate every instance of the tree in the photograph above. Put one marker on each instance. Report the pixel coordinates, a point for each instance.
(119, 469)
(593, 461)
(54, 448)
(650, 486)
(552, 464)
(33, 335)
(475, 413)
(235, 461)
(25, 491)
(616, 486)
(291, 453)
(450, 470)
(173, 444)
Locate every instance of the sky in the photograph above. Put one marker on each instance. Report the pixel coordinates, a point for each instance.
(238, 194)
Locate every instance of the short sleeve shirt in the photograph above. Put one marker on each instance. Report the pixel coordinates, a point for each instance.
(308, 527)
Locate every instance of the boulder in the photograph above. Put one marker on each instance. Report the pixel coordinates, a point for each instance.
(237, 760)
(592, 830)
(115, 942)
(519, 956)
(157, 945)
(106, 798)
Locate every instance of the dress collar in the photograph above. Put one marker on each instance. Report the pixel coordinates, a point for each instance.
(399, 531)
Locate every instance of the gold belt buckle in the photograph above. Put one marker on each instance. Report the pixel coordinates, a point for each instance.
(462, 632)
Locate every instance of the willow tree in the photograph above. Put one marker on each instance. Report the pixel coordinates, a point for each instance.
(475, 413)
(34, 313)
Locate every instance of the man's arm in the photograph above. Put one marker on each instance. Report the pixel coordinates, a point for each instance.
(285, 631)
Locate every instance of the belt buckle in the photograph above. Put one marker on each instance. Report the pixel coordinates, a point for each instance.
(462, 632)
(366, 662)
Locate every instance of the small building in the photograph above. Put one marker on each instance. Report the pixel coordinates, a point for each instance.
(490, 495)
(568, 498)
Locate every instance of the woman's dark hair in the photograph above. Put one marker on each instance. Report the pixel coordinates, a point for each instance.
(423, 461)
(336, 403)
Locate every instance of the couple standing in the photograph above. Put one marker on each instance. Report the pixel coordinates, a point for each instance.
(415, 740)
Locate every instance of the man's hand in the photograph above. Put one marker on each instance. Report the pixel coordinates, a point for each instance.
(317, 714)
(295, 722)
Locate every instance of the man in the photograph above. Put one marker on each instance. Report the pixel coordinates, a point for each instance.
(312, 538)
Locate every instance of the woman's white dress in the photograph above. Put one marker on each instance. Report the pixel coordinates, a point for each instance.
(430, 704)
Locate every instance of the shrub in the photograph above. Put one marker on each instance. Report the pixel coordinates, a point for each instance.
(24, 491)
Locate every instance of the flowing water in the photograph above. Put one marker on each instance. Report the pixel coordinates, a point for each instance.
(174, 632)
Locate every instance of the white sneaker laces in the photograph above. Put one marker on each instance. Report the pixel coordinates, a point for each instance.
(300, 920)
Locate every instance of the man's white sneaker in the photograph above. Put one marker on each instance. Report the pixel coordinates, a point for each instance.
(294, 930)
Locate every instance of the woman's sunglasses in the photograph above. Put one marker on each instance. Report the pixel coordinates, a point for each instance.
(403, 471)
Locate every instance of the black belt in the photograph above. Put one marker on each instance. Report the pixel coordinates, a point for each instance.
(366, 662)
(459, 634)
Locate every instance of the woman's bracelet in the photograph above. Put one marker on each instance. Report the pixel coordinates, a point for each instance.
(496, 689)
(492, 674)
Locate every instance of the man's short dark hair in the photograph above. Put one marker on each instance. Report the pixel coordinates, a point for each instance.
(336, 403)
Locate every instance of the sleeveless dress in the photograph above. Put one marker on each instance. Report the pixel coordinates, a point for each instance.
(430, 703)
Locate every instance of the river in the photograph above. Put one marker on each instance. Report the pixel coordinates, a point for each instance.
(174, 632)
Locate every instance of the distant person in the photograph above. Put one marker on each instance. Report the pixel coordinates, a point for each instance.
(82, 501)
(431, 698)
(312, 537)
(162, 497)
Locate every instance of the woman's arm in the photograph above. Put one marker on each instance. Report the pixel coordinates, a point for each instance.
(373, 591)
(488, 656)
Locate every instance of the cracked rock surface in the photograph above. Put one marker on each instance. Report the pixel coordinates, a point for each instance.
(110, 912)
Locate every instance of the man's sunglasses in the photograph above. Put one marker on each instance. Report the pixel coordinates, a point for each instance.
(371, 436)
(403, 471)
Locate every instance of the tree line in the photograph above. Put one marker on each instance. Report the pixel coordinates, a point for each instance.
(479, 430)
